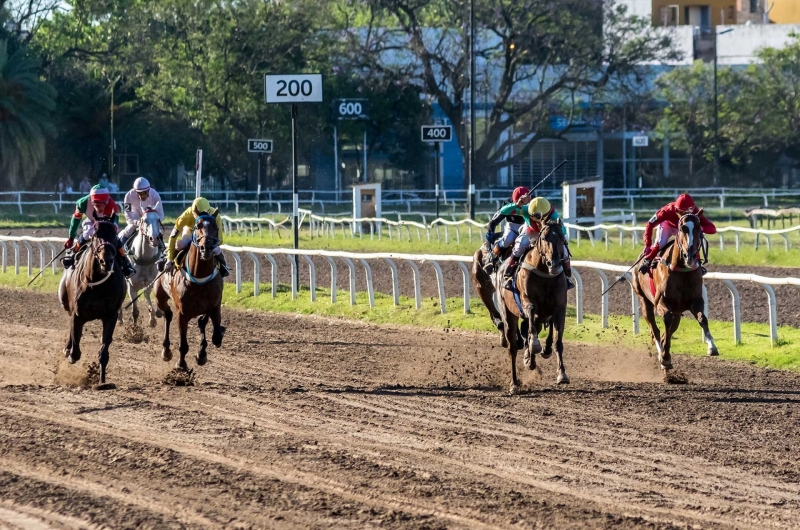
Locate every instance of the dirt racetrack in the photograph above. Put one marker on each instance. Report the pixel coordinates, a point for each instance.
(300, 422)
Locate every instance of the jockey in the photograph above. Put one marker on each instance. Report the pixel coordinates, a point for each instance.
(515, 215)
(185, 223)
(665, 223)
(140, 198)
(97, 205)
(537, 210)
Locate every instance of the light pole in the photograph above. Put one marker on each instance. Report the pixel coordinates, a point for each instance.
(716, 110)
(471, 191)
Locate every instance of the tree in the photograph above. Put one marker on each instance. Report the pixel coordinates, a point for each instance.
(26, 104)
(541, 58)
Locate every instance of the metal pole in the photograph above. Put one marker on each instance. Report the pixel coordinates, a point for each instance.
(336, 162)
(471, 190)
(436, 175)
(111, 158)
(198, 173)
(295, 201)
(365, 155)
(716, 115)
(258, 188)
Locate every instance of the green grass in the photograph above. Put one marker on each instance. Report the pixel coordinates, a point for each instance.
(754, 348)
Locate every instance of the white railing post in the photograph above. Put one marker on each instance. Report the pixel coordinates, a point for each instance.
(312, 277)
(604, 298)
(417, 290)
(352, 275)
(5, 252)
(332, 263)
(737, 315)
(30, 257)
(578, 296)
(256, 274)
(238, 262)
(440, 284)
(395, 281)
(273, 274)
(773, 315)
(370, 290)
(295, 278)
(16, 257)
(634, 306)
(466, 277)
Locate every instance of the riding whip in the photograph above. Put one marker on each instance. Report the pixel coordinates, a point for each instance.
(48, 264)
(547, 177)
(160, 274)
(623, 276)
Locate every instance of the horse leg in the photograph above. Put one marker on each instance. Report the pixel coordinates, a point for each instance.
(183, 348)
(548, 344)
(150, 309)
(649, 311)
(557, 329)
(135, 308)
(522, 336)
(219, 329)
(510, 333)
(534, 346)
(201, 357)
(73, 352)
(162, 299)
(109, 324)
(486, 289)
(697, 311)
(671, 322)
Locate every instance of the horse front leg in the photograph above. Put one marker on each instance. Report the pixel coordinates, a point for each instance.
(150, 309)
(557, 329)
(135, 308)
(219, 329)
(671, 323)
(162, 299)
(201, 356)
(697, 311)
(649, 311)
(183, 348)
(73, 349)
(548, 343)
(534, 346)
(510, 334)
(109, 324)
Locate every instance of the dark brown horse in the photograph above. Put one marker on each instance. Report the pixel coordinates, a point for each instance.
(196, 290)
(678, 283)
(543, 296)
(94, 290)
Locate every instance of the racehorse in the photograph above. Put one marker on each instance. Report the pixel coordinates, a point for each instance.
(675, 285)
(542, 289)
(146, 245)
(195, 287)
(93, 289)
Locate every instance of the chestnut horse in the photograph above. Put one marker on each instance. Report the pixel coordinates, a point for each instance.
(483, 282)
(542, 290)
(196, 290)
(678, 283)
(94, 289)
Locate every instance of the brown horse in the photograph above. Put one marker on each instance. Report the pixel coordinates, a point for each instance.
(678, 283)
(196, 290)
(94, 290)
(543, 296)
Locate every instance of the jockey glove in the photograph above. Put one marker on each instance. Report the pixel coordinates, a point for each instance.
(70, 243)
(489, 236)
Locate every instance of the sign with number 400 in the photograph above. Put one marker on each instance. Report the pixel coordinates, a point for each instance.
(437, 133)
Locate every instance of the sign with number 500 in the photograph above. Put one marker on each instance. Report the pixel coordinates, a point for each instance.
(305, 88)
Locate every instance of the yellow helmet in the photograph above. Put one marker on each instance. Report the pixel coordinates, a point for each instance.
(200, 206)
(539, 207)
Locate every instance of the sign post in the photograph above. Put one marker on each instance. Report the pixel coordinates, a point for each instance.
(436, 134)
(294, 89)
(638, 143)
(198, 171)
(259, 146)
(348, 109)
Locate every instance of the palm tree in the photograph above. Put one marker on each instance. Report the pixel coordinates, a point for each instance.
(26, 104)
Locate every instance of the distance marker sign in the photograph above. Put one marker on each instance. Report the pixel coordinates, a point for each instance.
(437, 133)
(259, 146)
(289, 88)
(350, 109)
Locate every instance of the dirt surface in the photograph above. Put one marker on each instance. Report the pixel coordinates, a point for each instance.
(300, 422)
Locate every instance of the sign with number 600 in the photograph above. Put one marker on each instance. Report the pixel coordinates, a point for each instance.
(259, 146)
(437, 133)
(350, 109)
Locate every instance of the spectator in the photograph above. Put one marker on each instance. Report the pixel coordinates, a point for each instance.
(85, 186)
(112, 187)
(68, 185)
(104, 180)
(60, 185)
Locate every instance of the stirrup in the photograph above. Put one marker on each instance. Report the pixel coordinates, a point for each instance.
(570, 283)
(703, 270)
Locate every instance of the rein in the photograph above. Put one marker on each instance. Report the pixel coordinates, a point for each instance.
(185, 269)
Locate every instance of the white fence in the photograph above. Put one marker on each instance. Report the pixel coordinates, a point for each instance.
(253, 253)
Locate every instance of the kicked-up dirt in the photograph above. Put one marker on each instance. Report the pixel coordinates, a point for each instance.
(300, 422)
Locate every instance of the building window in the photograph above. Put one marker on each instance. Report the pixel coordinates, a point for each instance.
(670, 15)
(754, 6)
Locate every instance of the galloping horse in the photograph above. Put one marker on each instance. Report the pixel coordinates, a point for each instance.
(676, 285)
(542, 290)
(93, 290)
(146, 245)
(196, 290)
(483, 282)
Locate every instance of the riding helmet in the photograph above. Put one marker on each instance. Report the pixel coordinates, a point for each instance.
(141, 185)
(519, 192)
(539, 207)
(99, 193)
(200, 206)
(684, 203)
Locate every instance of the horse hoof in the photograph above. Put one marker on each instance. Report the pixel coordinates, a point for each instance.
(152, 322)
(504, 342)
(105, 386)
(159, 313)
(535, 347)
(562, 379)
(166, 355)
(547, 353)
(530, 361)
(201, 358)
(713, 352)
(73, 357)
(513, 390)
(181, 365)
(666, 365)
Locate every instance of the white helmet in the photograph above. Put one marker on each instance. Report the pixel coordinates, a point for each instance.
(141, 185)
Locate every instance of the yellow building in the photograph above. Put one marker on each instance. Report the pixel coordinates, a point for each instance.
(784, 11)
(701, 13)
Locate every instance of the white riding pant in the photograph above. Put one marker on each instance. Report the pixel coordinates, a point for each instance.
(662, 233)
(129, 229)
(510, 233)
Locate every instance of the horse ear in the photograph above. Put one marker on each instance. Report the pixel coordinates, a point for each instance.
(699, 212)
(546, 218)
(216, 211)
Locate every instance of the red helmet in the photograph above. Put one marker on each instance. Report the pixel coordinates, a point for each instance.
(684, 203)
(519, 192)
(99, 194)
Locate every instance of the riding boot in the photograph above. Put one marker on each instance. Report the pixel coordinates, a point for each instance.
(127, 266)
(645, 267)
(568, 274)
(223, 267)
(68, 261)
(491, 258)
(508, 276)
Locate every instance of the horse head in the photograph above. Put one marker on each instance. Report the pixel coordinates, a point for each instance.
(550, 245)
(103, 245)
(206, 234)
(689, 239)
(150, 226)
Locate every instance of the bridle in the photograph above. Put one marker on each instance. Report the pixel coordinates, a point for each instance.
(555, 262)
(204, 239)
(143, 227)
(98, 244)
(688, 249)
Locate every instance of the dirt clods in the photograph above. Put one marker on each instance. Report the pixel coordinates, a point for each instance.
(179, 377)
(134, 334)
